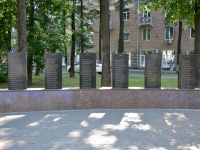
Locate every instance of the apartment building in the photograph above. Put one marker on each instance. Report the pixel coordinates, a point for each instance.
(144, 33)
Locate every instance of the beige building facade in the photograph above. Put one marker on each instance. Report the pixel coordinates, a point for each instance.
(144, 33)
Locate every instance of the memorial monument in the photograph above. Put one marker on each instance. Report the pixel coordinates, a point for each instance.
(153, 71)
(187, 67)
(53, 71)
(87, 70)
(120, 71)
(17, 71)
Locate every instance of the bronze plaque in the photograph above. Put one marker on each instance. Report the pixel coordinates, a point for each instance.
(120, 71)
(17, 71)
(153, 71)
(53, 71)
(87, 70)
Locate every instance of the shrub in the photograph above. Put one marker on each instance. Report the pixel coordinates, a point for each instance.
(3, 76)
(3, 73)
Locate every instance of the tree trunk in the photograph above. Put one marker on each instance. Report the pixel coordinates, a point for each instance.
(37, 70)
(81, 26)
(106, 77)
(30, 54)
(197, 45)
(64, 33)
(66, 58)
(100, 33)
(179, 40)
(178, 46)
(121, 28)
(73, 43)
(21, 28)
(9, 37)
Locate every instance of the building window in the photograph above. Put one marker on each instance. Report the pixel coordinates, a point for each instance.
(169, 33)
(142, 58)
(146, 35)
(91, 37)
(90, 21)
(167, 56)
(146, 13)
(126, 14)
(190, 52)
(13, 29)
(192, 31)
(90, 2)
(126, 35)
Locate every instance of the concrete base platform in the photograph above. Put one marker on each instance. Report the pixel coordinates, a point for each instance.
(105, 98)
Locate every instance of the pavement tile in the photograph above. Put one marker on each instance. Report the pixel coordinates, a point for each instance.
(101, 129)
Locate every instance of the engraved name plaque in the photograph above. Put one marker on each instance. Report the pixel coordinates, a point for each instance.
(187, 67)
(53, 71)
(17, 71)
(153, 71)
(87, 70)
(120, 71)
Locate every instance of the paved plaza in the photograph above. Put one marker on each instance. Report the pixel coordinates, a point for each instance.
(101, 129)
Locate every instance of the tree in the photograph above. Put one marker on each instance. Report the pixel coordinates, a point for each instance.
(31, 37)
(47, 33)
(119, 5)
(106, 77)
(7, 21)
(73, 40)
(187, 11)
(21, 25)
(100, 32)
(197, 43)
(83, 27)
(121, 27)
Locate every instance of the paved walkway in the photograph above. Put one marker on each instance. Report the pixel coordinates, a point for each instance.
(131, 129)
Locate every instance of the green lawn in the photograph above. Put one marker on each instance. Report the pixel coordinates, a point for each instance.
(67, 82)
(142, 72)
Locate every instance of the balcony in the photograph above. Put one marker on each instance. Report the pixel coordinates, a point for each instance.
(145, 21)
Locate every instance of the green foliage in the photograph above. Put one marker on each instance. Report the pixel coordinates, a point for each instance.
(117, 4)
(176, 10)
(81, 33)
(3, 76)
(48, 32)
(3, 72)
(7, 20)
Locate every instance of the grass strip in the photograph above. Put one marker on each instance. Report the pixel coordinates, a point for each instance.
(67, 82)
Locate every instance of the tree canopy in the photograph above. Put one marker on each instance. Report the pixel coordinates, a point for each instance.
(175, 10)
(178, 10)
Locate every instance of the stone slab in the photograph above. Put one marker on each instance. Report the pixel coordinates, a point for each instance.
(17, 70)
(153, 71)
(120, 71)
(187, 68)
(87, 70)
(53, 71)
(73, 99)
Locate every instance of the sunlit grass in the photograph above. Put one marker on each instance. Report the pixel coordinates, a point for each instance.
(142, 72)
(67, 82)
